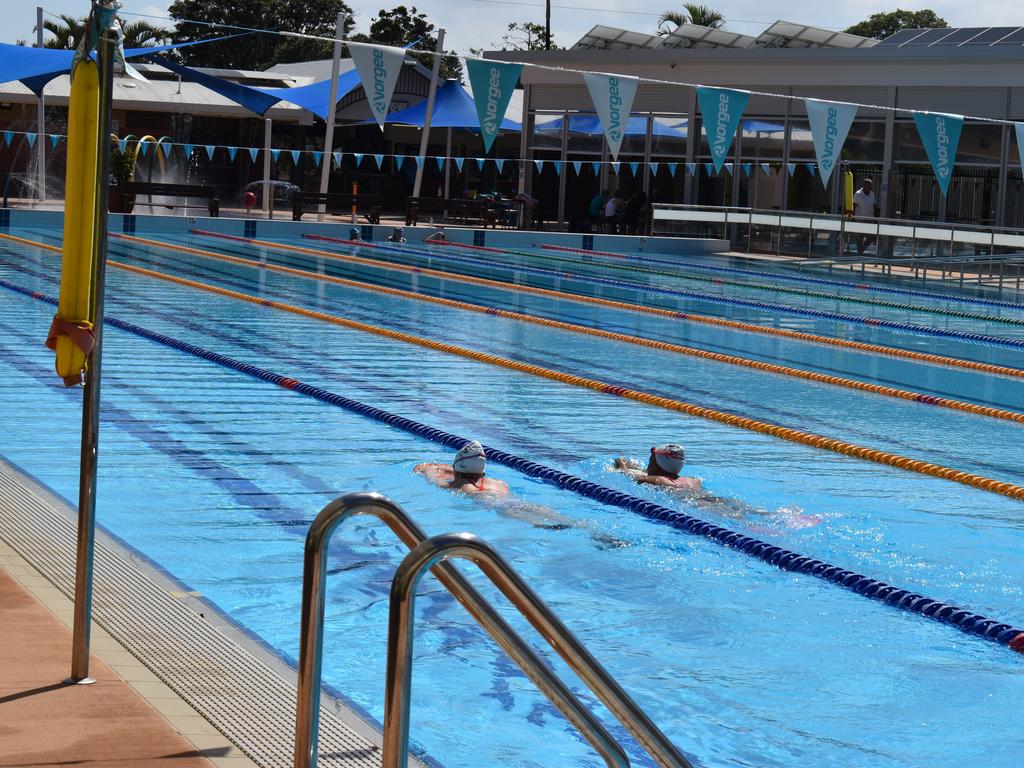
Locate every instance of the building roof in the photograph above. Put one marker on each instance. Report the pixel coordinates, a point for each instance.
(781, 34)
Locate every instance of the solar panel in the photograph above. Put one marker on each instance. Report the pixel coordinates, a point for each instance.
(1016, 37)
(990, 35)
(901, 37)
(694, 36)
(929, 37)
(610, 38)
(786, 34)
(961, 35)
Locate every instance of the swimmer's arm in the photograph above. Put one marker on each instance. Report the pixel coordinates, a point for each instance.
(629, 467)
(439, 474)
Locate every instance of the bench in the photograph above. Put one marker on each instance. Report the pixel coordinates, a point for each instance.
(484, 212)
(367, 206)
(130, 189)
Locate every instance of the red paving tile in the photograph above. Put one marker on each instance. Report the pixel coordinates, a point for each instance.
(46, 723)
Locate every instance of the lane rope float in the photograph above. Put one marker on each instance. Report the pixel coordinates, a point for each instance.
(765, 287)
(710, 414)
(715, 299)
(964, 620)
(784, 276)
(821, 378)
(859, 346)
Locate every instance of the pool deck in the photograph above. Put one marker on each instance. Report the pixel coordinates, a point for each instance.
(125, 718)
(178, 683)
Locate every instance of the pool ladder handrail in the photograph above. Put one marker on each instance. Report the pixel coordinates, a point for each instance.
(430, 554)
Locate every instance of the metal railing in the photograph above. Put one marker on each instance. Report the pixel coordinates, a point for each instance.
(964, 252)
(314, 577)
(432, 553)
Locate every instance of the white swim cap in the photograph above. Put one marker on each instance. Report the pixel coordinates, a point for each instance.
(670, 457)
(470, 459)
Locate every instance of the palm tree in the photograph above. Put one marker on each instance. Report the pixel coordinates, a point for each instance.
(68, 31)
(701, 15)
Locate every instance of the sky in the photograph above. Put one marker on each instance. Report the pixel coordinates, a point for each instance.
(481, 23)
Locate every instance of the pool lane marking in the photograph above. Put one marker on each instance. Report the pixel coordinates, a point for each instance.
(763, 287)
(860, 346)
(780, 276)
(924, 357)
(821, 378)
(710, 414)
(970, 623)
(717, 299)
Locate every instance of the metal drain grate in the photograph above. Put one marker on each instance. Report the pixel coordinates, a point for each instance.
(243, 696)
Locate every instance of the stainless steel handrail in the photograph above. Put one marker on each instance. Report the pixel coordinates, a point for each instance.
(400, 640)
(314, 579)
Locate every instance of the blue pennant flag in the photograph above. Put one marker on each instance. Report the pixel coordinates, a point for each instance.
(337, 159)
(458, 163)
(440, 163)
(940, 135)
(8, 137)
(210, 149)
(728, 168)
(596, 166)
(54, 141)
(399, 159)
(493, 84)
(419, 161)
(500, 163)
(710, 168)
(359, 158)
(380, 161)
(558, 166)
(811, 167)
(691, 168)
(31, 139)
(830, 123)
(122, 144)
(615, 168)
(232, 151)
(791, 167)
(746, 170)
(275, 154)
(253, 152)
(577, 165)
(318, 157)
(721, 110)
(766, 169)
(296, 155)
(672, 168)
(633, 168)
(188, 150)
(654, 168)
(540, 165)
(480, 164)
(167, 146)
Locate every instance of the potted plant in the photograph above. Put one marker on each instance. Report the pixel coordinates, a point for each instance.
(122, 169)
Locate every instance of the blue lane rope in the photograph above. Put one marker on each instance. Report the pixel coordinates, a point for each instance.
(964, 620)
(798, 278)
(750, 303)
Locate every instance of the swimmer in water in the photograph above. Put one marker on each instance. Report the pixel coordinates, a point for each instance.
(466, 474)
(437, 237)
(354, 236)
(397, 235)
(662, 469)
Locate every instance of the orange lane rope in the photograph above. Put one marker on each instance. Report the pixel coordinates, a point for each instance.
(923, 357)
(821, 378)
(733, 420)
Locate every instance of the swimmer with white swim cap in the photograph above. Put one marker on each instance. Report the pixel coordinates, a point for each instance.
(663, 469)
(465, 473)
(397, 235)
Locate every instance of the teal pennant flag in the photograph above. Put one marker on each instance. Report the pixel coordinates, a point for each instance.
(940, 135)
(721, 110)
(493, 84)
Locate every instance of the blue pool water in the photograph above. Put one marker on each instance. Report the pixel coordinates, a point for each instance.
(740, 663)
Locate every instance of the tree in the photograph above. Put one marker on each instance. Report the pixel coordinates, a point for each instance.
(882, 25)
(524, 36)
(402, 26)
(701, 15)
(142, 34)
(256, 51)
(65, 33)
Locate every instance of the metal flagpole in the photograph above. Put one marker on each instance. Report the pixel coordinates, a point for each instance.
(332, 107)
(431, 95)
(91, 398)
(268, 190)
(40, 120)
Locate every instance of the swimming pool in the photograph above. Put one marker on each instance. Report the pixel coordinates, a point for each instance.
(739, 662)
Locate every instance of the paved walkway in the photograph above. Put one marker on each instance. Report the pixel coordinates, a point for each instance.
(46, 723)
